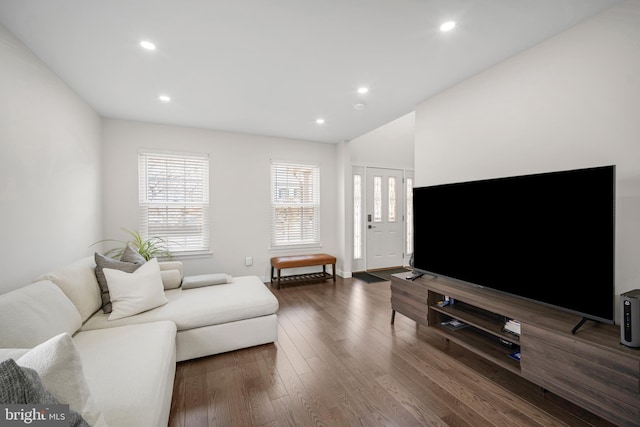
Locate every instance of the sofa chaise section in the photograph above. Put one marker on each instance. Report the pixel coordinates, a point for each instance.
(212, 319)
(209, 320)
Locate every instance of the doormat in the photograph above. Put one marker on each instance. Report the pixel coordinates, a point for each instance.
(386, 274)
(366, 277)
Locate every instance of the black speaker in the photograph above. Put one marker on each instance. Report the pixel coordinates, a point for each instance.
(630, 313)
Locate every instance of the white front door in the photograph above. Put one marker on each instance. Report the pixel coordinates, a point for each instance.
(384, 218)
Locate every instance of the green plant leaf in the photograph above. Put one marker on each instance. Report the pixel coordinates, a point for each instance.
(152, 247)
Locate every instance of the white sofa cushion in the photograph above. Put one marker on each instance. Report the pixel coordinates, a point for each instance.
(133, 293)
(224, 337)
(58, 363)
(172, 274)
(78, 281)
(103, 262)
(130, 372)
(12, 353)
(245, 298)
(171, 279)
(34, 313)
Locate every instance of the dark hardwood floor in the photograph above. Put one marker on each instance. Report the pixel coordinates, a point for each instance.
(339, 362)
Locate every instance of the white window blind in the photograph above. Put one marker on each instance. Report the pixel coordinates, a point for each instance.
(295, 204)
(174, 199)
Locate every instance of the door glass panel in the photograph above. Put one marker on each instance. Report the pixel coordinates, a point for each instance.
(357, 216)
(377, 199)
(409, 215)
(392, 199)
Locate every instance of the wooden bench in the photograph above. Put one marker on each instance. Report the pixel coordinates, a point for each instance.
(296, 261)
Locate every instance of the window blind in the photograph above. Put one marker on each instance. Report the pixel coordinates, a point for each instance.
(174, 199)
(295, 204)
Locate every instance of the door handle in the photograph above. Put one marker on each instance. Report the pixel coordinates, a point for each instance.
(372, 226)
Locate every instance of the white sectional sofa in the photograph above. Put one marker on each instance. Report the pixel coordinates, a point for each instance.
(129, 363)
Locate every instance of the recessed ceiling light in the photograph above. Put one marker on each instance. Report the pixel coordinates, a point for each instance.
(447, 26)
(320, 121)
(147, 45)
(164, 98)
(363, 90)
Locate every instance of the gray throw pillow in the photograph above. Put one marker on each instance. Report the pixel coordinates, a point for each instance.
(106, 262)
(131, 255)
(20, 386)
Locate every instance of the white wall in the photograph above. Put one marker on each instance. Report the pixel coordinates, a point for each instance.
(49, 168)
(344, 194)
(389, 146)
(239, 186)
(570, 102)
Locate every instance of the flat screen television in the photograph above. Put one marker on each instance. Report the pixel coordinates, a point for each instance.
(546, 237)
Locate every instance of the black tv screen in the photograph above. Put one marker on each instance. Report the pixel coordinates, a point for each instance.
(545, 237)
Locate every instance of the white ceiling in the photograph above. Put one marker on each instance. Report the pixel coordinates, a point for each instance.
(273, 67)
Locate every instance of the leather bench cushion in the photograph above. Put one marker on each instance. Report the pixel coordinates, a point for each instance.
(302, 260)
(246, 297)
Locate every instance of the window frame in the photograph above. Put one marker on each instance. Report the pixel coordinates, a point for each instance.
(194, 202)
(278, 184)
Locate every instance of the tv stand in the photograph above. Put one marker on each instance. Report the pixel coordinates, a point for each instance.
(580, 323)
(414, 276)
(591, 369)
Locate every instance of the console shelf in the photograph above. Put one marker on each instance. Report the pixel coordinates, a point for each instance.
(590, 368)
(490, 324)
(480, 344)
(482, 336)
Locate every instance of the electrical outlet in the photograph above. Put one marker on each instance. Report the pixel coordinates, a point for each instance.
(248, 261)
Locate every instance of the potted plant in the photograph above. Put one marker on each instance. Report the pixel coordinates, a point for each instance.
(152, 247)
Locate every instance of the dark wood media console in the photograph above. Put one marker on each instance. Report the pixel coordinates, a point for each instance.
(590, 368)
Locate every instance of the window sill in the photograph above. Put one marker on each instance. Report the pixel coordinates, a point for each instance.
(289, 248)
(188, 255)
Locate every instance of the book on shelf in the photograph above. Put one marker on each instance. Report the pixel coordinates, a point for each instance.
(454, 324)
(515, 355)
(511, 326)
(447, 300)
